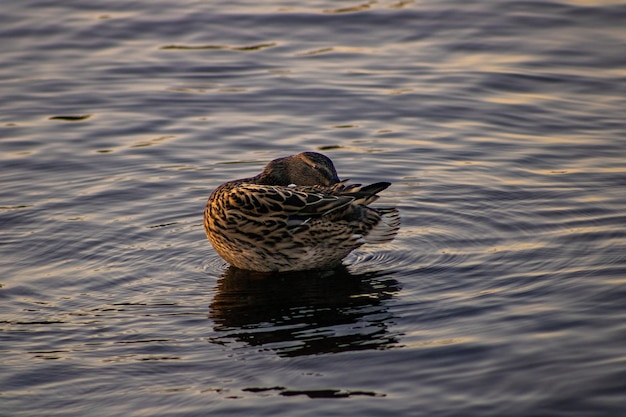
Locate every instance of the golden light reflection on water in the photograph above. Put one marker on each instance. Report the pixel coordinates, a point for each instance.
(339, 49)
(435, 342)
(518, 98)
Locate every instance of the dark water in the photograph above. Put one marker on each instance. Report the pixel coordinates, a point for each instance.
(500, 124)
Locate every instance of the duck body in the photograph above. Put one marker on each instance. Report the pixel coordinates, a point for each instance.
(295, 215)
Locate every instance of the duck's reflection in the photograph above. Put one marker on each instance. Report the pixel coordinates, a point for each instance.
(305, 313)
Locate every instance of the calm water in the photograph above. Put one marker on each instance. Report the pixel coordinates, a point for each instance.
(500, 124)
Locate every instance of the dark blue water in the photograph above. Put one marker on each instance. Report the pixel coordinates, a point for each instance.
(500, 124)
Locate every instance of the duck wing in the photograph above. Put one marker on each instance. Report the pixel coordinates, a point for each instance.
(260, 200)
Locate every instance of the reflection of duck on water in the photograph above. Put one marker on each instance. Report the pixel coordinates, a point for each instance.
(305, 313)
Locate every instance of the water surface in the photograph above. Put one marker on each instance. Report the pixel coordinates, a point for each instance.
(500, 125)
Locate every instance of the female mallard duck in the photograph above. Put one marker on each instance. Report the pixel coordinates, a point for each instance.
(295, 215)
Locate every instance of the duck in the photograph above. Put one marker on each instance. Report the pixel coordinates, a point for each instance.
(296, 215)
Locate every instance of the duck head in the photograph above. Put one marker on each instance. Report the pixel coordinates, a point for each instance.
(306, 168)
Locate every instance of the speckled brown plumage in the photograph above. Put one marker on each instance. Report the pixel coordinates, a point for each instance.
(295, 215)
